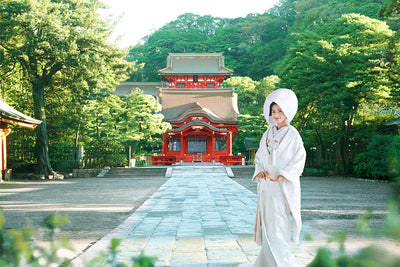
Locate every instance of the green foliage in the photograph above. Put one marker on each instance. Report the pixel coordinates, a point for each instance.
(391, 12)
(18, 249)
(337, 64)
(112, 123)
(376, 161)
(59, 51)
(370, 256)
(361, 166)
(253, 46)
(394, 156)
(103, 152)
(323, 259)
(378, 151)
(252, 94)
(362, 223)
(249, 127)
(335, 70)
(143, 261)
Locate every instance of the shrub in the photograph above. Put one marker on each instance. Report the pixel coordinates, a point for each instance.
(374, 163)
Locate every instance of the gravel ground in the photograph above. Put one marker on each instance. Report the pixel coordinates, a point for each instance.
(95, 205)
(98, 205)
(331, 204)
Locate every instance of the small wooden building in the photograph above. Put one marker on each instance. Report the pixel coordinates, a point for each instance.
(202, 114)
(9, 115)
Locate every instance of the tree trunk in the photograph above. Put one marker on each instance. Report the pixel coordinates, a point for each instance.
(347, 154)
(339, 155)
(342, 149)
(77, 135)
(42, 146)
(321, 150)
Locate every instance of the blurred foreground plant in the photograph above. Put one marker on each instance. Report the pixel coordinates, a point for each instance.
(371, 256)
(18, 249)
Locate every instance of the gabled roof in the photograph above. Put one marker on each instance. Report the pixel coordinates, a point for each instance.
(195, 63)
(192, 110)
(199, 123)
(218, 104)
(13, 116)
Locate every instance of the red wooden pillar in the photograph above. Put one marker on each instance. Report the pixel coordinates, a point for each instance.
(3, 136)
(182, 152)
(213, 152)
(165, 143)
(230, 143)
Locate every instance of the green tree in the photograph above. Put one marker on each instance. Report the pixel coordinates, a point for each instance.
(133, 120)
(390, 11)
(251, 127)
(335, 70)
(252, 94)
(58, 41)
(189, 33)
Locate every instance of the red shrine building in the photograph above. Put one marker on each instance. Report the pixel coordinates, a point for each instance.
(203, 115)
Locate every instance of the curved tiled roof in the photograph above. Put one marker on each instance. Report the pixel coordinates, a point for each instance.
(196, 110)
(220, 104)
(13, 116)
(195, 63)
(199, 123)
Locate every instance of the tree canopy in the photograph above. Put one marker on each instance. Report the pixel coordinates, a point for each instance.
(253, 46)
(60, 47)
(336, 69)
(340, 57)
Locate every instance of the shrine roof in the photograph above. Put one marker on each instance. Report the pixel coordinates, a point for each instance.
(13, 116)
(195, 63)
(219, 105)
(199, 123)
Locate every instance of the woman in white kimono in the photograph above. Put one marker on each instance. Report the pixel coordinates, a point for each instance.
(279, 163)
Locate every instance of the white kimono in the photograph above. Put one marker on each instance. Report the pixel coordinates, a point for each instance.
(285, 155)
(276, 200)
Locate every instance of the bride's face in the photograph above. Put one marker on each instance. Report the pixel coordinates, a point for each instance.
(278, 115)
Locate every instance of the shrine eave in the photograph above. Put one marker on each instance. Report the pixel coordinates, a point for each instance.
(200, 123)
(195, 63)
(179, 114)
(13, 116)
(198, 111)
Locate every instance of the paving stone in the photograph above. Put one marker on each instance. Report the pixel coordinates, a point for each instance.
(199, 217)
(185, 258)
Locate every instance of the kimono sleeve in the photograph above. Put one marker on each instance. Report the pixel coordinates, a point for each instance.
(258, 159)
(295, 166)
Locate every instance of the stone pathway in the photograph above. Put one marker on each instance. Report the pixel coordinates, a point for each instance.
(199, 217)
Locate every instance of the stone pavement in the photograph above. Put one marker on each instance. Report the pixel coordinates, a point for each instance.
(199, 217)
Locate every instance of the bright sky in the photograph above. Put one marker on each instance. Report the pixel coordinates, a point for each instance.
(142, 17)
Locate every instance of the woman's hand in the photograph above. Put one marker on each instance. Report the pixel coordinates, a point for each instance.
(278, 178)
(263, 175)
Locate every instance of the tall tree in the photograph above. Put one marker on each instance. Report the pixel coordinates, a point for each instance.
(335, 70)
(189, 33)
(132, 120)
(391, 13)
(56, 39)
(252, 94)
